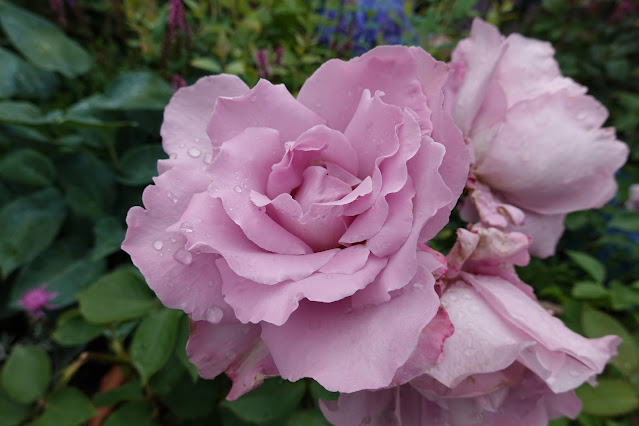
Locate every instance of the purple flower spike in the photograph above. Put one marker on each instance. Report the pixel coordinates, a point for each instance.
(34, 300)
(176, 17)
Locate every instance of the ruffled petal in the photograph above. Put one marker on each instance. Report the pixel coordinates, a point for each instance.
(372, 343)
(183, 131)
(254, 302)
(212, 348)
(207, 227)
(265, 105)
(243, 165)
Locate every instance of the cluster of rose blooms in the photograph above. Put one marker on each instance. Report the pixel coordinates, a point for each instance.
(294, 231)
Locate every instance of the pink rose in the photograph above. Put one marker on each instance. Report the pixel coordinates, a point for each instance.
(508, 361)
(540, 151)
(288, 228)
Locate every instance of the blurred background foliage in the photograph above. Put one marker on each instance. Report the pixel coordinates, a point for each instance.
(82, 89)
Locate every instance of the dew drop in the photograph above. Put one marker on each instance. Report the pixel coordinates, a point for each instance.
(237, 188)
(183, 256)
(196, 140)
(208, 158)
(194, 152)
(173, 156)
(581, 116)
(169, 194)
(173, 240)
(214, 314)
(158, 245)
(210, 283)
(186, 227)
(574, 373)
(171, 284)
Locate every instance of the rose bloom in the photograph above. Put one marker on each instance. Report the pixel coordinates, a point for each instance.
(540, 151)
(507, 362)
(288, 229)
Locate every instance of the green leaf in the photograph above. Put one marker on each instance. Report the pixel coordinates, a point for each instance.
(207, 64)
(73, 329)
(623, 297)
(307, 418)
(136, 413)
(131, 391)
(318, 392)
(588, 290)
(272, 400)
(66, 407)
(109, 234)
(26, 374)
(20, 112)
(28, 167)
(12, 412)
(597, 324)
(165, 380)
(189, 400)
(20, 78)
(138, 90)
(154, 341)
(42, 43)
(64, 267)
(119, 296)
(29, 225)
(139, 164)
(88, 197)
(611, 397)
(589, 264)
(180, 348)
(625, 221)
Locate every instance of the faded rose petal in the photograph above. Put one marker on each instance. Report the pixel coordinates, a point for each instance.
(539, 147)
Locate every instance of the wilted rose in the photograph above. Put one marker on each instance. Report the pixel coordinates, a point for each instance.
(508, 360)
(540, 151)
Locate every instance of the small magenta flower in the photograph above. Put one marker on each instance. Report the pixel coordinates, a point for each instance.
(263, 67)
(34, 300)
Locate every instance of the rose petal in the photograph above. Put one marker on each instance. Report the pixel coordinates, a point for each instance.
(371, 345)
(254, 302)
(265, 105)
(576, 153)
(183, 131)
(181, 279)
(243, 165)
(249, 371)
(213, 347)
(207, 227)
(528, 316)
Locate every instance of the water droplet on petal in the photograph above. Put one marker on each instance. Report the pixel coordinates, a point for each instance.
(171, 284)
(173, 240)
(237, 188)
(187, 227)
(158, 245)
(574, 373)
(208, 158)
(581, 116)
(194, 152)
(196, 140)
(214, 314)
(183, 256)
